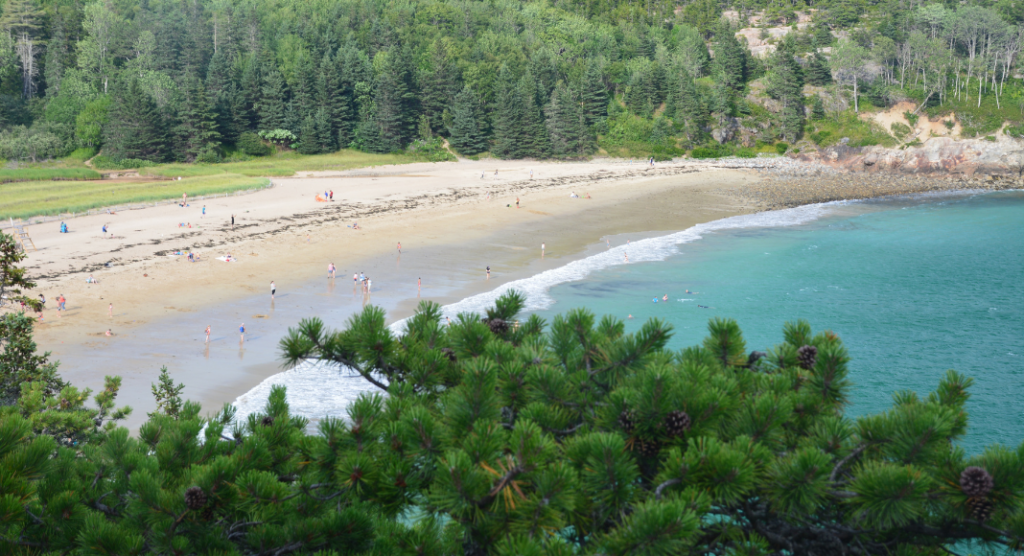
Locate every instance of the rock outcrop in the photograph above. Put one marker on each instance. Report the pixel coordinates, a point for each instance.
(938, 155)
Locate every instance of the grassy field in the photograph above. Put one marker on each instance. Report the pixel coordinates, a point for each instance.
(39, 174)
(283, 164)
(38, 197)
(26, 199)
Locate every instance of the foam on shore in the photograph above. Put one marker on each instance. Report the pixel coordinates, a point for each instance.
(317, 389)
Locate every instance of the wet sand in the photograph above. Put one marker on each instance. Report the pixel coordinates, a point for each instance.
(159, 319)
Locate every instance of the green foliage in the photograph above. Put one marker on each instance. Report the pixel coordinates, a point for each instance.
(744, 152)
(54, 174)
(505, 435)
(861, 133)
(781, 147)
(431, 150)
(103, 162)
(252, 145)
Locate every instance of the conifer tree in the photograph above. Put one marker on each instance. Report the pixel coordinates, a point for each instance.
(730, 58)
(785, 83)
(273, 101)
(566, 123)
(818, 109)
(388, 113)
(439, 83)
(136, 128)
(690, 112)
(507, 120)
(534, 140)
(818, 72)
(303, 86)
(196, 126)
(594, 95)
(309, 142)
(336, 101)
(465, 135)
(251, 90)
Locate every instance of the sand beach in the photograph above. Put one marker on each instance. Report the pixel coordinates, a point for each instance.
(452, 219)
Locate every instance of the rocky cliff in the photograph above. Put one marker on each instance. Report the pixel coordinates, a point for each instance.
(938, 155)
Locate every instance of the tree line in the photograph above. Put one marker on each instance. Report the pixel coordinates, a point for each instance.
(209, 80)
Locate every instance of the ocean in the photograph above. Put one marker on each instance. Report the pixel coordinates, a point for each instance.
(914, 286)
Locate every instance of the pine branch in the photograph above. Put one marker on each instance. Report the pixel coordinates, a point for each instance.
(502, 483)
(663, 486)
(844, 461)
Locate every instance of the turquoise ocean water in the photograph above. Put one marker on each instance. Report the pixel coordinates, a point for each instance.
(913, 287)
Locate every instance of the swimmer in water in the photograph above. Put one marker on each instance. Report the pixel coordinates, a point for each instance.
(655, 300)
(630, 317)
(665, 298)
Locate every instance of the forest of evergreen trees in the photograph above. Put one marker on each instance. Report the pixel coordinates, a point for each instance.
(205, 80)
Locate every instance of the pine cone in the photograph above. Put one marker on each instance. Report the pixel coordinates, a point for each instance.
(195, 498)
(649, 448)
(975, 481)
(450, 353)
(807, 357)
(267, 421)
(627, 420)
(981, 509)
(497, 326)
(677, 422)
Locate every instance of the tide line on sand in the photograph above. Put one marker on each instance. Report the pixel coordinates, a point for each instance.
(317, 389)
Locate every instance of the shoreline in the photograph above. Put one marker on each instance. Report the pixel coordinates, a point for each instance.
(456, 236)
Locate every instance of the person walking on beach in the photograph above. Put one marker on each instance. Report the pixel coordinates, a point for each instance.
(60, 303)
(273, 290)
(331, 196)
(488, 272)
(204, 210)
(419, 284)
(399, 247)
(110, 310)
(208, 333)
(627, 256)
(232, 221)
(531, 173)
(330, 270)
(517, 202)
(241, 334)
(542, 250)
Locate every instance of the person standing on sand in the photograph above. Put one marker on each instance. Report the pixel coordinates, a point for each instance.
(531, 173)
(331, 197)
(419, 283)
(542, 250)
(330, 270)
(399, 247)
(627, 256)
(273, 290)
(488, 272)
(61, 300)
(110, 310)
(208, 333)
(232, 221)
(517, 202)
(241, 334)
(204, 210)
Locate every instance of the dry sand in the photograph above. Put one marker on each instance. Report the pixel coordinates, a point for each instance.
(451, 222)
(283, 234)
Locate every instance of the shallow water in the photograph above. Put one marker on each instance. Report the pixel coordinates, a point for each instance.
(913, 287)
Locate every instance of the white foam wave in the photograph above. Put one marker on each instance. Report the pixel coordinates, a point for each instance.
(317, 390)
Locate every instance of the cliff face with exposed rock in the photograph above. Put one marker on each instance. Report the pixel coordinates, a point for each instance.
(938, 155)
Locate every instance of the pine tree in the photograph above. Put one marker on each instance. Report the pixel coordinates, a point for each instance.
(690, 112)
(818, 72)
(136, 129)
(785, 83)
(439, 83)
(196, 129)
(388, 113)
(273, 101)
(508, 117)
(818, 109)
(336, 100)
(534, 139)
(594, 95)
(303, 86)
(250, 88)
(325, 135)
(308, 140)
(566, 123)
(465, 135)
(730, 58)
